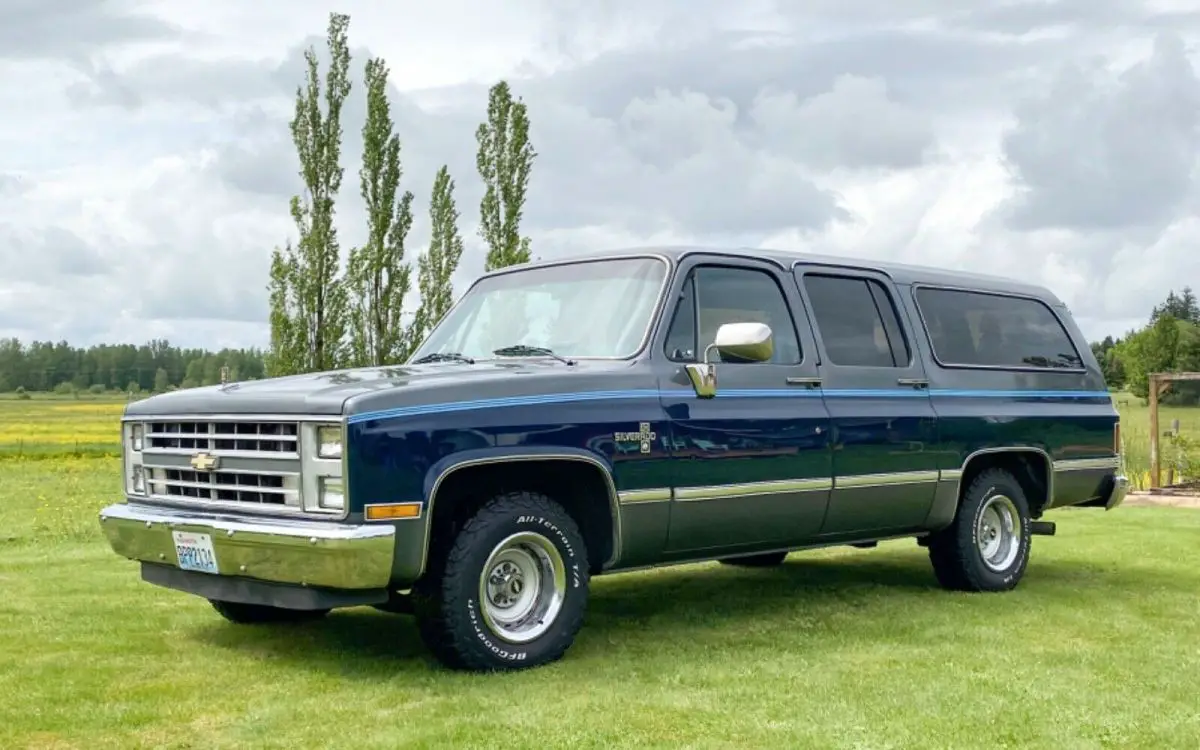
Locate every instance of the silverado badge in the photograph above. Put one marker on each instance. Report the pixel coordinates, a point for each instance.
(204, 462)
(644, 435)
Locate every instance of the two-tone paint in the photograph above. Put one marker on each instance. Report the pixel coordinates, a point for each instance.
(783, 457)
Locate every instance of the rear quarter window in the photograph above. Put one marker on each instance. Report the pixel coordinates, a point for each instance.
(978, 329)
(857, 321)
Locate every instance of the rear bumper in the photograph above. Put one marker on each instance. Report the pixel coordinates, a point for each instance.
(1110, 493)
(283, 551)
(1120, 488)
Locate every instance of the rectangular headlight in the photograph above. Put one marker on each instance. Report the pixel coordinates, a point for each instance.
(330, 495)
(329, 442)
(138, 481)
(137, 436)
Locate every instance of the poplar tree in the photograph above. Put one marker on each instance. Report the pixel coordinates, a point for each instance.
(504, 159)
(436, 267)
(378, 277)
(308, 299)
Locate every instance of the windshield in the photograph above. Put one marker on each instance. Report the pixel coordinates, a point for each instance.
(588, 309)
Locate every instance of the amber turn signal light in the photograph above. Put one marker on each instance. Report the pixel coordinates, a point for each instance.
(389, 511)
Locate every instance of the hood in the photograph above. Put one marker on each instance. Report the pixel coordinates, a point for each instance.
(328, 392)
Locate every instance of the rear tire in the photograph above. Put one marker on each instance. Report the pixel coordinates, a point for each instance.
(261, 614)
(765, 560)
(509, 591)
(986, 547)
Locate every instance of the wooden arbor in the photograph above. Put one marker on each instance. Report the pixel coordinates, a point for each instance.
(1159, 383)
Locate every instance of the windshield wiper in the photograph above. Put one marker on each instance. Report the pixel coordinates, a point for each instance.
(443, 357)
(521, 350)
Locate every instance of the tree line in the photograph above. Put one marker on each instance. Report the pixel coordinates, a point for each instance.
(322, 318)
(155, 366)
(1169, 342)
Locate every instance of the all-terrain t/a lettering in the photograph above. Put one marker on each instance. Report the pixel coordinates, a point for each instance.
(781, 402)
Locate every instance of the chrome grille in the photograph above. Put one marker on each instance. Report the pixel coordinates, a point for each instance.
(225, 462)
(224, 437)
(225, 487)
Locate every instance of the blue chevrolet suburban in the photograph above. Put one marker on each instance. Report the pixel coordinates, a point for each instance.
(621, 410)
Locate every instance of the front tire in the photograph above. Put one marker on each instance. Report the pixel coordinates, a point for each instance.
(509, 591)
(986, 547)
(262, 614)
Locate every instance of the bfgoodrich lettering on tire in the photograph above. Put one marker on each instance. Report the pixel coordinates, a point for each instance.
(509, 591)
(986, 548)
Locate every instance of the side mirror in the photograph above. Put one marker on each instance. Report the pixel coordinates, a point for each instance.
(750, 341)
(744, 341)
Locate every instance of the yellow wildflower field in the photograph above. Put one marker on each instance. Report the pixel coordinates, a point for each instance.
(45, 428)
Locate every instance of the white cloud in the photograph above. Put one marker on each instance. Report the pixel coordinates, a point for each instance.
(147, 176)
(845, 126)
(1101, 151)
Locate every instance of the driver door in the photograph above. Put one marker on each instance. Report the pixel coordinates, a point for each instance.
(751, 466)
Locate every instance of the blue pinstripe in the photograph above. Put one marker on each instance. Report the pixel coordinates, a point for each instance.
(645, 393)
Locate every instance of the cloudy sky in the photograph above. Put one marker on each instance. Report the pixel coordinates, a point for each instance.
(146, 164)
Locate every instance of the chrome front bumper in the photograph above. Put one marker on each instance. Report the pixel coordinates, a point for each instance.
(288, 551)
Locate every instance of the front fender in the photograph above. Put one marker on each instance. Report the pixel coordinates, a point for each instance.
(413, 536)
(446, 467)
(438, 472)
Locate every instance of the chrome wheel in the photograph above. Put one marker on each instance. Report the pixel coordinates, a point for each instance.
(522, 586)
(998, 532)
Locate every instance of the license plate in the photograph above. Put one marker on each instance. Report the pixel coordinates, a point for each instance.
(195, 551)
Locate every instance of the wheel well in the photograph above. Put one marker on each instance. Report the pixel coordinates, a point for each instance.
(581, 487)
(1030, 468)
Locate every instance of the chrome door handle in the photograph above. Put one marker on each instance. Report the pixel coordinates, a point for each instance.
(914, 382)
(809, 382)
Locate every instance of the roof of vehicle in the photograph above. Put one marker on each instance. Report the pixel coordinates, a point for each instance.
(900, 273)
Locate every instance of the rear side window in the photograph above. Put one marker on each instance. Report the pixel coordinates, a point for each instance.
(992, 330)
(857, 321)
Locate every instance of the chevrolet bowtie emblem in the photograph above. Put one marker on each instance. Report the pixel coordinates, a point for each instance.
(204, 462)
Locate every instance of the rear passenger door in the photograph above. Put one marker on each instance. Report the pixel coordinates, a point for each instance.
(751, 465)
(885, 463)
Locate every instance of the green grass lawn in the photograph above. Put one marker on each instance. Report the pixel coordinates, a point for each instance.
(1099, 647)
